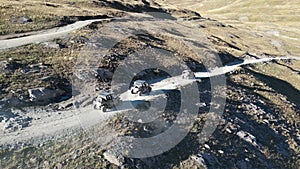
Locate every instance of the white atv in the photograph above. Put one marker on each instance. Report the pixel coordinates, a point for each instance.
(140, 87)
(187, 74)
(105, 101)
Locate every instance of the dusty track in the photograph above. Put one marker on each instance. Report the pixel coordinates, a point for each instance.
(45, 35)
(59, 123)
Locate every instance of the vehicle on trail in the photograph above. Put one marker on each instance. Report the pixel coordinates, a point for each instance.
(105, 101)
(188, 74)
(140, 87)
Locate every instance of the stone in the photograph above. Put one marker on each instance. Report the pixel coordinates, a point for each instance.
(247, 137)
(58, 166)
(228, 130)
(46, 165)
(32, 160)
(16, 123)
(266, 121)
(206, 146)
(3, 65)
(53, 45)
(43, 94)
(112, 158)
(199, 159)
(20, 20)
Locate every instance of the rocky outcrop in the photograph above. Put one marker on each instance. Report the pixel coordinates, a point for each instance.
(112, 158)
(20, 20)
(43, 94)
(15, 124)
(3, 65)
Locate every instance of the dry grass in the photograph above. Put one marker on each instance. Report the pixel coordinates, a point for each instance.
(283, 72)
(275, 19)
(252, 36)
(44, 13)
(59, 63)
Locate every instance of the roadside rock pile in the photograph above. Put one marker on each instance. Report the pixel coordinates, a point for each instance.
(3, 66)
(43, 94)
(52, 45)
(15, 123)
(20, 20)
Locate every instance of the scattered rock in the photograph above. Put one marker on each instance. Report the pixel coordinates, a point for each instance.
(32, 160)
(76, 154)
(80, 40)
(247, 137)
(46, 165)
(58, 166)
(3, 65)
(53, 45)
(114, 159)
(200, 160)
(43, 94)
(20, 20)
(266, 121)
(16, 123)
(206, 146)
(66, 105)
(52, 5)
(228, 130)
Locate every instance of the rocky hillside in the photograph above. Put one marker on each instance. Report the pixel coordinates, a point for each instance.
(260, 123)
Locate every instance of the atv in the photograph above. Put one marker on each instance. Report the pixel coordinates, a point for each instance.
(187, 74)
(105, 100)
(140, 87)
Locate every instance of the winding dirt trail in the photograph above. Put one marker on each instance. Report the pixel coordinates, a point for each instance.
(45, 35)
(61, 122)
(228, 68)
(86, 117)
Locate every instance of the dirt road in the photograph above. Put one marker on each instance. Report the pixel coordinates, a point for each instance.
(46, 35)
(86, 117)
(59, 122)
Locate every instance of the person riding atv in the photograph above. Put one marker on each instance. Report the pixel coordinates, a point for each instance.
(188, 74)
(105, 100)
(140, 87)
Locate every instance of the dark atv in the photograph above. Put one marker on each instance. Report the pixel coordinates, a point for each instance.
(140, 87)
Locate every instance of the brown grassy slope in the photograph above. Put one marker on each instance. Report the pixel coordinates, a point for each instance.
(44, 14)
(276, 19)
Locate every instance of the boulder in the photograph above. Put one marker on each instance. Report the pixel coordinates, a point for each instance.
(104, 74)
(200, 160)
(3, 65)
(16, 123)
(43, 94)
(113, 158)
(247, 137)
(20, 20)
(53, 45)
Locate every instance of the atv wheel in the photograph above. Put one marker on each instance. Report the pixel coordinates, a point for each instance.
(103, 108)
(149, 89)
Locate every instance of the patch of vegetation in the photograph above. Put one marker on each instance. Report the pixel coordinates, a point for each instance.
(44, 14)
(35, 66)
(74, 151)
